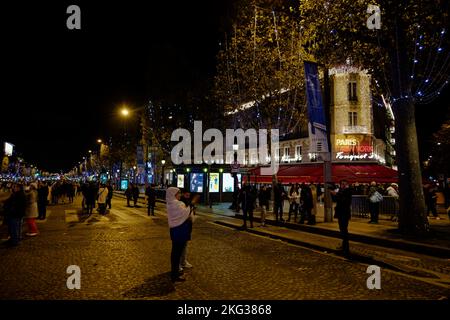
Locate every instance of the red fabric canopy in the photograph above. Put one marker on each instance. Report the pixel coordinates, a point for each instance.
(298, 173)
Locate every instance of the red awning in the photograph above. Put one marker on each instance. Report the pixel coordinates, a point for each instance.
(298, 173)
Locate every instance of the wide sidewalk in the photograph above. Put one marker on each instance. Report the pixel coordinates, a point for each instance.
(384, 234)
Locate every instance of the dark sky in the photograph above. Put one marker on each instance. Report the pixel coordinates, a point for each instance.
(62, 88)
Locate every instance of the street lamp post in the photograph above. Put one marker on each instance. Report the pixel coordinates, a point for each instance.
(163, 162)
(124, 112)
(235, 177)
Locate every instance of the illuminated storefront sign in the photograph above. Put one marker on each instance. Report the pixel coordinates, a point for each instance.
(354, 147)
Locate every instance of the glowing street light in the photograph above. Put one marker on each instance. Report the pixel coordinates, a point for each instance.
(99, 140)
(125, 112)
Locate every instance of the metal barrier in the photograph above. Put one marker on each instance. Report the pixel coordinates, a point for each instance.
(360, 206)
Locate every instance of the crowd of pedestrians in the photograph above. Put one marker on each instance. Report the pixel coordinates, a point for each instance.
(302, 199)
(23, 202)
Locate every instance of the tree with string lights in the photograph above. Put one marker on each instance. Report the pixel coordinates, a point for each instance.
(409, 62)
(260, 80)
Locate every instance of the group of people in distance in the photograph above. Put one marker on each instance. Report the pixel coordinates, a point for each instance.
(28, 200)
(302, 201)
(96, 192)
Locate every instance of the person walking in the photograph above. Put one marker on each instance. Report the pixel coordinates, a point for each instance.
(150, 192)
(179, 218)
(135, 192)
(375, 198)
(342, 212)
(129, 194)
(102, 195)
(42, 200)
(91, 195)
(294, 199)
(14, 208)
(263, 199)
(31, 209)
(247, 201)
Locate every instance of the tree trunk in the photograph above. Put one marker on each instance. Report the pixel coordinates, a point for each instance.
(412, 219)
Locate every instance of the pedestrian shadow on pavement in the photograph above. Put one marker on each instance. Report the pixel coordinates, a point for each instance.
(157, 286)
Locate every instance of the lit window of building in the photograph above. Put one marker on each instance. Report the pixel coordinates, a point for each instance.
(352, 91)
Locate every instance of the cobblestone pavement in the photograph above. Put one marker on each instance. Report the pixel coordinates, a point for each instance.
(125, 255)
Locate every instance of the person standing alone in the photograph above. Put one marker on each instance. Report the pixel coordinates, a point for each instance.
(31, 210)
(42, 200)
(150, 192)
(343, 212)
(102, 197)
(14, 212)
(247, 200)
(179, 218)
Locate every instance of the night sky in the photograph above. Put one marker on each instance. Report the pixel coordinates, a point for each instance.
(62, 88)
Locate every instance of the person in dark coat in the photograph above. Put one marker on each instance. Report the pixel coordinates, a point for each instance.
(14, 208)
(430, 201)
(42, 200)
(343, 212)
(129, 194)
(135, 192)
(307, 203)
(150, 192)
(247, 201)
(279, 196)
(91, 196)
(70, 191)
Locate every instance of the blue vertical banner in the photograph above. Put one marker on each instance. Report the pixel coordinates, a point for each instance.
(140, 155)
(317, 127)
(140, 165)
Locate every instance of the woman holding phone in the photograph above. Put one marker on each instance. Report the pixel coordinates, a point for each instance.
(179, 217)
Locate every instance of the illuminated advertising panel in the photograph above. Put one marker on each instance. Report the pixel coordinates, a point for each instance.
(228, 182)
(123, 184)
(180, 181)
(196, 184)
(214, 182)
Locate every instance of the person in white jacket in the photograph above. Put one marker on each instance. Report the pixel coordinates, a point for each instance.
(102, 197)
(179, 217)
(392, 191)
(31, 210)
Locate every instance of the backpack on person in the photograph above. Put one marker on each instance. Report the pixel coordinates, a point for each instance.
(376, 197)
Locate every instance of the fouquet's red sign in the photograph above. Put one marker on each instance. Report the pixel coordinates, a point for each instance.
(353, 147)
